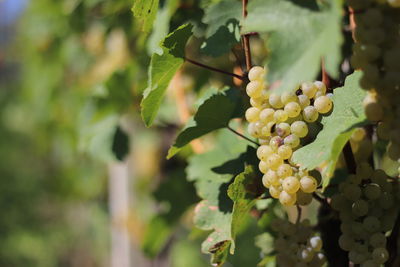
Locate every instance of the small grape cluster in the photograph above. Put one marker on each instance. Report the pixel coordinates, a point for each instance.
(367, 210)
(377, 53)
(296, 245)
(279, 122)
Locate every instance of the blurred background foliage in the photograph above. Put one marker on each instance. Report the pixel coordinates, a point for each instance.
(72, 74)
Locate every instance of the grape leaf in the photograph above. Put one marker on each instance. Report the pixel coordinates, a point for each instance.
(216, 211)
(162, 69)
(222, 31)
(214, 113)
(348, 113)
(298, 38)
(145, 10)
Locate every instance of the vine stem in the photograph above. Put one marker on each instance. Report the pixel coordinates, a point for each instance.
(215, 69)
(246, 38)
(241, 135)
(298, 214)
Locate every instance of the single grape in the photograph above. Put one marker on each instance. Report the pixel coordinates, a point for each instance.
(321, 87)
(275, 101)
(274, 161)
(304, 101)
(287, 97)
(287, 199)
(309, 89)
(352, 192)
(303, 199)
(293, 109)
(284, 170)
(263, 166)
(264, 151)
(285, 151)
(316, 243)
(275, 142)
(371, 224)
(323, 104)
(380, 255)
(283, 129)
(299, 128)
(292, 140)
(308, 184)
(271, 177)
(360, 207)
(252, 114)
(290, 184)
(372, 191)
(254, 89)
(346, 242)
(256, 73)
(378, 240)
(267, 115)
(386, 200)
(280, 115)
(310, 114)
(274, 191)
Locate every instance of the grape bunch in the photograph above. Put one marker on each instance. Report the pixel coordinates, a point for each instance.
(367, 210)
(296, 245)
(377, 53)
(279, 122)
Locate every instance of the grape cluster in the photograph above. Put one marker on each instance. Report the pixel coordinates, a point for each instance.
(279, 122)
(296, 245)
(367, 210)
(377, 53)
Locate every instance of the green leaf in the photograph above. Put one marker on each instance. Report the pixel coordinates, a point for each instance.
(222, 32)
(298, 38)
(146, 11)
(348, 113)
(214, 113)
(217, 211)
(162, 69)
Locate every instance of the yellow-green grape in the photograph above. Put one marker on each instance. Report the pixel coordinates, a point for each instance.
(394, 3)
(264, 140)
(288, 97)
(321, 87)
(256, 73)
(283, 129)
(284, 170)
(292, 109)
(309, 89)
(263, 166)
(275, 142)
(259, 102)
(291, 184)
(267, 115)
(308, 184)
(373, 109)
(393, 151)
(299, 128)
(254, 89)
(275, 101)
(280, 115)
(275, 191)
(285, 151)
(287, 199)
(266, 130)
(318, 94)
(273, 162)
(304, 101)
(252, 114)
(292, 140)
(358, 134)
(310, 114)
(264, 151)
(254, 128)
(303, 199)
(323, 104)
(272, 177)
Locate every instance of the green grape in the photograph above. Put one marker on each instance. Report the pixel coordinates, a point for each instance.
(283, 129)
(256, 73)
(371, 224)
(284, 170)
(271, 177)
(299, 128)
(287, 199)
(303, 199)
(364, 170)
(274, 161)
(274, 191)
(275, 101)
(267, 115)
(306, 255)
(352, 192)
(308, 184)
(293, 109)
(360, 208)
(309, 89)
(263, 166)
(372, 191)
(287, 97)
(285, 151)
(321, 87)
(323, 104)
(386, 201)
(304, 101)
(290, 184)
(292, 140)
(280, 115)
(252, 114)
(275, 142)
(370, 263)
(380, 255)
(266, 130)
(310, 114)
(254, 89)
(264, 151)
(346, 242)
(378, 240)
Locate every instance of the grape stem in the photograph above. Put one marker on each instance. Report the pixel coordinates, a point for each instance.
(298, 214)
(215, 69)
(246, 38)
(241, 135)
